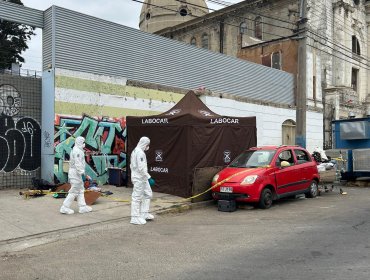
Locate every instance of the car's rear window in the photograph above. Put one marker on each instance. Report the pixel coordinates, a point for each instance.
(251, 159)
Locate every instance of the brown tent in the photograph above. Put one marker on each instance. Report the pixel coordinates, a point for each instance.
(186, 137)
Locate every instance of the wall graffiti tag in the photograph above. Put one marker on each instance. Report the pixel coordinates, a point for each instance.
(20, 136)
(105, 144)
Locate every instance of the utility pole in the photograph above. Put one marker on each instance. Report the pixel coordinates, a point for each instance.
(301, 102)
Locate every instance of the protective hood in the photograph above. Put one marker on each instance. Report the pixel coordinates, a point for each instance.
(143, 143)
(80, 142)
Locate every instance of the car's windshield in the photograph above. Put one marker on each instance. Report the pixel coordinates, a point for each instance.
(252, 159)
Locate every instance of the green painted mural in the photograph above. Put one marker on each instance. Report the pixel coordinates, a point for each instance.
(105, 144)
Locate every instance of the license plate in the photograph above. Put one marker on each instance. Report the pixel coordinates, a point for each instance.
(226, 189)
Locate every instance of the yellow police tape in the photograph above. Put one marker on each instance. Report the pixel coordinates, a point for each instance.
(214, 186)
(338, 159)
(189, 198)
(194, 196)
(29, 193)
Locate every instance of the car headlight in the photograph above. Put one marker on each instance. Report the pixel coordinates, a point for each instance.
(215, 178)
(249, 180)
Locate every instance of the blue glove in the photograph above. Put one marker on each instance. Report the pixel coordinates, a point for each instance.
(151, 182)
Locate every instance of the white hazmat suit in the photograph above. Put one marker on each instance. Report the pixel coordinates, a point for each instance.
(76, 170)
(142, 193)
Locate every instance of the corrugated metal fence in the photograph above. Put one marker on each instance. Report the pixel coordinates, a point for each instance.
(88, 44)
(79, 42)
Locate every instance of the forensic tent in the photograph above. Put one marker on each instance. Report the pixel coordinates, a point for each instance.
(187, 137)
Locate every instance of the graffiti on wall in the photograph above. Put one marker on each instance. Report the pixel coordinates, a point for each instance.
(20, 137)
(105, 144)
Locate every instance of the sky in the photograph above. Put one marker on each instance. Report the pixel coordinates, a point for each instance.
(125, 12)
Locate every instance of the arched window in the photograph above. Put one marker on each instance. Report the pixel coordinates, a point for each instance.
(243, 28)
(205, 41)
(258, 28)
(193, 42)
(356, 45)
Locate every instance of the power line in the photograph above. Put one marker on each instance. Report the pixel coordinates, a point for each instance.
(244, 18)
(229, 24)
(335, 50)
(253, 20)
(223, 3)
(255, 13)
(335, 44)
(341, 46)
(331, 21)
(341, 58)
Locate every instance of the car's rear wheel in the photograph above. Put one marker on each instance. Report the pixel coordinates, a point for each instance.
(313, 190)
(266, 199)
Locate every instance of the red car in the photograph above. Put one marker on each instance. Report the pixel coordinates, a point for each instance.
(261, 175)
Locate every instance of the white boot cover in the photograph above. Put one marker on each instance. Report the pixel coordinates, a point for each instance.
(135, 214)
(83, 208)
(65, 209)
(145, 210)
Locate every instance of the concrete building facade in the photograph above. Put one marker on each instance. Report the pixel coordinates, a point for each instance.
(337, 46)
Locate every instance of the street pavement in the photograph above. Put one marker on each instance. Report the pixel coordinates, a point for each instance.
(29, 222)
(296, 239)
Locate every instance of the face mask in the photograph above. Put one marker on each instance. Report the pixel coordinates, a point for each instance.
(147, 148)
(83, 145)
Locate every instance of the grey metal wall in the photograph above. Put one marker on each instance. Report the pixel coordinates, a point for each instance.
(88, 44)
(47, 39)
(20, 14)
(79, 42)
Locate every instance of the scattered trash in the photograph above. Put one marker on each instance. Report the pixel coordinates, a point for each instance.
(40, 184)
(61, 194)
(106, 193)
(342, 192)
(32, 193)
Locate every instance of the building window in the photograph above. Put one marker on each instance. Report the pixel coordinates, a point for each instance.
(354, 80)
(258, 28)
(356, 2)
(183, 12)
(193, 42)
(243, 34)
(243, 28)
(276, 60)
(356, 45)
(205, 41)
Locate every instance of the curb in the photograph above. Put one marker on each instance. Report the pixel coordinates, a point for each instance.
(186, 206)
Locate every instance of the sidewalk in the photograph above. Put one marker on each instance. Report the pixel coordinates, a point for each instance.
(34, 221)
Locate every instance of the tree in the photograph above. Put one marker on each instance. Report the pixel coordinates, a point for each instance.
(13, 40)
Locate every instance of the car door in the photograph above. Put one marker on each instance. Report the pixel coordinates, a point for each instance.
(304, 164)
(285, 176)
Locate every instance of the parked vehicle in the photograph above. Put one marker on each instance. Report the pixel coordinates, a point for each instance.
(263, 174)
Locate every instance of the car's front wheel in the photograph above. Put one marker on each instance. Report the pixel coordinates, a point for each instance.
(265, 199)
(313, 190)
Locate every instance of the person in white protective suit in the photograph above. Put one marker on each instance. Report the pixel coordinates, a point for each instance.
(76, 170)
(142, 192)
